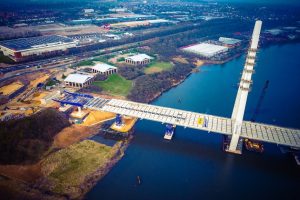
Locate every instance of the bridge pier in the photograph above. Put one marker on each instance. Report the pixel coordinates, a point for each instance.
(119, 121)
(169, 131)
(233, 144)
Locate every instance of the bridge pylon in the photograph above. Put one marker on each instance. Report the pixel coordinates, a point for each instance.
(237, 116)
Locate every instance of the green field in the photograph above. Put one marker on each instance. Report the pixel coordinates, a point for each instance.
(68, 168)
(85, 63)
(115, 85)
(157, 67)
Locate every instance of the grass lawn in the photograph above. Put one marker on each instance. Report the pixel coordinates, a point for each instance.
(85, 63)
(115, 85)
(92, 62)
(69, 167)
(158, 67)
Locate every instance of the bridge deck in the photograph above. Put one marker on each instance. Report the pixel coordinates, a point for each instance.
(256, 131)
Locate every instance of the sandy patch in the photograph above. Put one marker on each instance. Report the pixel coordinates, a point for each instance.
(72, 135)
(180, 59)
(96, 117)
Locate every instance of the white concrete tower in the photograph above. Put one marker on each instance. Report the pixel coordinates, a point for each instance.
(244, 87)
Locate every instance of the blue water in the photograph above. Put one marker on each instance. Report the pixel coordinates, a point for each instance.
(102, 140)
(192, 165)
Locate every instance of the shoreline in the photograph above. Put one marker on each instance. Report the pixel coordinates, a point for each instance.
(95, 177)
(92, 179)
(194, 70)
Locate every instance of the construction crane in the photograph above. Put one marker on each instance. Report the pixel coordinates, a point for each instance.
(252, 145)
(260, 100)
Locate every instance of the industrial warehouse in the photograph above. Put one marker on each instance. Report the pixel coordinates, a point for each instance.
(23, 48)
(206, 50)
(229, 42)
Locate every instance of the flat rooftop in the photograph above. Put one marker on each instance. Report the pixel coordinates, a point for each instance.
(103, 67)
(230, 41)
(35, 42)
(139, 57)
(78, 78)
(205, 49)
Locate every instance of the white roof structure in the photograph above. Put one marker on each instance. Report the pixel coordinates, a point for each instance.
(103, 67)
(230, 41)
(139, 57)
(274, 31)
(155, 21)
(206, 49)
(78, 78)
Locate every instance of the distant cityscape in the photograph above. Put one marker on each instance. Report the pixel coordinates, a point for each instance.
(76, 78)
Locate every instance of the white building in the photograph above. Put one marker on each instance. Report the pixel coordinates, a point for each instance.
(229, 42)
(118, 9)
(139, 59)
(206, 49)
(78, 80)
(103, 68)
(88, 10)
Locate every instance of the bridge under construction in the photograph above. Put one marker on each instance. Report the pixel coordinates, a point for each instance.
(235, 128)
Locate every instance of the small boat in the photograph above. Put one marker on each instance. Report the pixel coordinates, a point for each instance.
(138, 180)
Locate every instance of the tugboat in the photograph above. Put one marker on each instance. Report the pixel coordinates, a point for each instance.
(255, 146)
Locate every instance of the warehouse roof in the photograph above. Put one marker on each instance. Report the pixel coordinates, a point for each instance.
(103, 67)
(206, 49)
(35, 42)
(230, 41)
(78, 78)
(139, 57)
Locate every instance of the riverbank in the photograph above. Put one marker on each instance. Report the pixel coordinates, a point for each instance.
(194, 160)
(68, 170)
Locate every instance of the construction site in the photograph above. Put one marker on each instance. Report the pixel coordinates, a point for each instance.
(22, 98)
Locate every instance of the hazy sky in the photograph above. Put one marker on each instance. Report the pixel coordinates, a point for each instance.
(264, 1)
(227, 1)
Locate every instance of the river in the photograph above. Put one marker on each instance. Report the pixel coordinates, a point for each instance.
(192, 165)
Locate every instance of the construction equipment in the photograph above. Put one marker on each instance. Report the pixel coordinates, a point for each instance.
(252, 145)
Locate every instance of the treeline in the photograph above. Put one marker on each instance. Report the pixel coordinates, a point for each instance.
(147, 87)
(131, 72)
(26, 140)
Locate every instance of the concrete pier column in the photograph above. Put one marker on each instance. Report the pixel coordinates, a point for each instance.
(79, 110)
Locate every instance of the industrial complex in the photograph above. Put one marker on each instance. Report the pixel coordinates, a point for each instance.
(20, 49)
